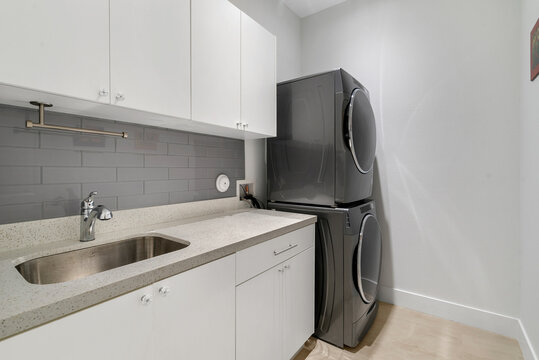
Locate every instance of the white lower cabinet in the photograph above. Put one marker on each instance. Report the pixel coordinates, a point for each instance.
(194, 313)
(116, 329)
(258, 320)
(187, 316)
(275, 309)
(298, 309)
(257, 304)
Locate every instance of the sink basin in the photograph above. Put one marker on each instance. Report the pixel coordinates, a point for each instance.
(77, 264)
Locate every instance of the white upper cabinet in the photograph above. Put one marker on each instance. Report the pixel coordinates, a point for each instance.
(200, 66)
(56, 46)
(150, 55)
(258, 78)
(215, 68)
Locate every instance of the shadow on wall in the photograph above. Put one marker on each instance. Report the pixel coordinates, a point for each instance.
(386, 276)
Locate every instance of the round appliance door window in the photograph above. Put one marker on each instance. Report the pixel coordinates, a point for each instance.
(368, 259)
(361, 130)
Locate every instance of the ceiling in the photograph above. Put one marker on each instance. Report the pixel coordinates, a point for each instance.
(304, 8)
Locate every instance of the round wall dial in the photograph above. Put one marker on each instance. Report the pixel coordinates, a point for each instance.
(222, 183)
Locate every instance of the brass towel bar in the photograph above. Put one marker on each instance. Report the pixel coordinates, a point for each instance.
(42, 125)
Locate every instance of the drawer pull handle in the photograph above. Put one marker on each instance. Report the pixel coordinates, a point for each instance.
(277, 252)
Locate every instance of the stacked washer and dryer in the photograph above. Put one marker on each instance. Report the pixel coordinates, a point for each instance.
(321, 163)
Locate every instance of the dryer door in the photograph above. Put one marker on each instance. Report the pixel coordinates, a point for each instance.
(368, 259)
(360, 133)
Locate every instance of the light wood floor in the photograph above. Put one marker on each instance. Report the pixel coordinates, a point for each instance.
(402, 334)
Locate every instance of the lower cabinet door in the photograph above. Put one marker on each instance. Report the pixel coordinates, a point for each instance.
(194, 313)
(116, 329)
(298, 302)
(258, 317)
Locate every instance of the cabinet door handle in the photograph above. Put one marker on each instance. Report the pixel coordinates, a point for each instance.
(146, 299)
(245, 125)
(120, 97)
(164, 290)
(103, 92)
(238, 124)
(290, 247)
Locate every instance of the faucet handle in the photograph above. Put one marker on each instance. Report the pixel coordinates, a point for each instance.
(88, 203)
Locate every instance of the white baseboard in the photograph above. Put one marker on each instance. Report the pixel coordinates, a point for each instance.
(483, 319)
(525, 344)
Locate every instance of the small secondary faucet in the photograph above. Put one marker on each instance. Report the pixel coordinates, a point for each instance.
(88, 215)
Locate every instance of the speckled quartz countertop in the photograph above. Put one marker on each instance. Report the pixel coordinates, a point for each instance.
(24, 305)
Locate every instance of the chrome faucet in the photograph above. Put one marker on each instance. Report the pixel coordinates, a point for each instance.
(89, 213)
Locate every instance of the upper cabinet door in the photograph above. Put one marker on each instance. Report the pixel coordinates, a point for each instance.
(150, 55)
(56, 46)
(215, 51)
(258, 84)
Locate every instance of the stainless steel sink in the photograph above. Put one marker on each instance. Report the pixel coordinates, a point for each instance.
(77, 264)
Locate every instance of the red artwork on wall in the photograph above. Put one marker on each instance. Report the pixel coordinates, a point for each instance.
(534, 51)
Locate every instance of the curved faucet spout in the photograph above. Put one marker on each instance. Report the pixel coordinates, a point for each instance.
(89, 215)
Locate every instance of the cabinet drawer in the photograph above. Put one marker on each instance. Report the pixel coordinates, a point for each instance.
(257, 259)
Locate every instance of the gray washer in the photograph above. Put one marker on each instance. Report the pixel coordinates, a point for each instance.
(348, 259)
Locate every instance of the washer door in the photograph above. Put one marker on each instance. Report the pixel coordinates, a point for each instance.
(361, 131)
(368, 259)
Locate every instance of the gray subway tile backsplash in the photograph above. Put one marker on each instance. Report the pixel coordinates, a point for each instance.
(205, 162)
(11, 156)
(20, 212)
(13, 117)
(115, 188)
(127, 174)
(170, 161)
(187, 150)
(93, 159)
(187, 173)
(166, 186)
(140, 146)
(224, 153)
(23, 194)
(77, 142)
(144, 200)
(45, 174)
(203, 184)
(64, 175)
(15, 175)
(166, 136)
(18, 138)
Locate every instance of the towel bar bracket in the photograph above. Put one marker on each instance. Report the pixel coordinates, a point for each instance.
(42, 125)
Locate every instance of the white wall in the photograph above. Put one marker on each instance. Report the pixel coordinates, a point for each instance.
(285, 25)
(529, 185)
(444, 82)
